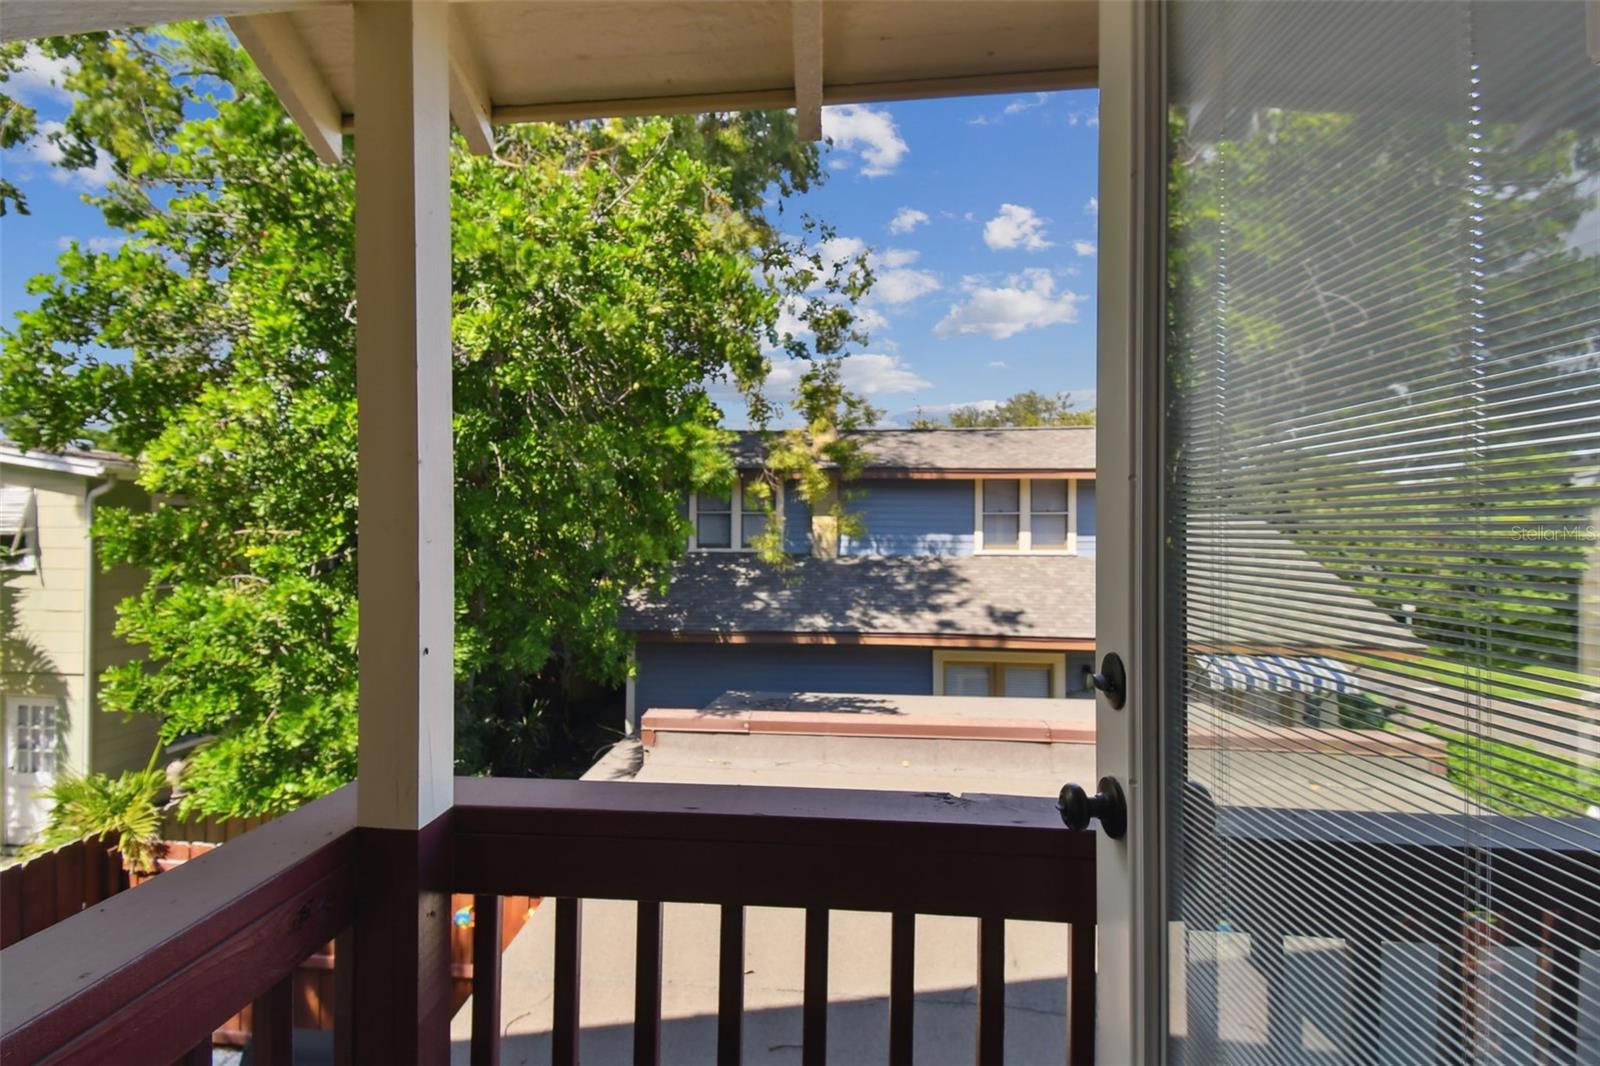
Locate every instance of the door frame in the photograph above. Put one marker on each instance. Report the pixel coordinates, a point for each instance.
(1131, 989)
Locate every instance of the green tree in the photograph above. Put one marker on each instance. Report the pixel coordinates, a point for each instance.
(604, 274)
(1029, 408)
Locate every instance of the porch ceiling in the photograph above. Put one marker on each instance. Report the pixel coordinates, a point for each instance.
(529, 60)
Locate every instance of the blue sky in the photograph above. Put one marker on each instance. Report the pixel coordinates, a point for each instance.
(979, 212)
(981, 215)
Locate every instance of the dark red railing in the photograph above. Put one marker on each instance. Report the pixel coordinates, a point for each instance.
(147, 975)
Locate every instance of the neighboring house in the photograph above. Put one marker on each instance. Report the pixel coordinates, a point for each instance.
(57, 614)
(973, 576)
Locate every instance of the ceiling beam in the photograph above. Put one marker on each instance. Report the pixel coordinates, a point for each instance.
(277, 48)
(806, 33)
(469, 93)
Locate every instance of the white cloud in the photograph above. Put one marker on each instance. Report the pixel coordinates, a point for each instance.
(872, 134)
(1027, 301)
(98, 245)
(903, 286)
(1026, 103)
(880, 375)
(894, 282)
(1084, 118)
(1015, 227)
(871, 374)
(907, 219)
(995, 364)
(869, 319)
(42, 150)
(41, 77)
(1093, 206)
(1083, 248)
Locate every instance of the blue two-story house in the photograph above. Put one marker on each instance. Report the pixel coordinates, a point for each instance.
(974, 576)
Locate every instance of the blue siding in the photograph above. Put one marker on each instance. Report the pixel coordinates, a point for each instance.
(796, 523)
(912, 518)
(1086, 518)
(692, 675)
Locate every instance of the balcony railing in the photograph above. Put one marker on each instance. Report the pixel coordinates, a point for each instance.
(147, 975)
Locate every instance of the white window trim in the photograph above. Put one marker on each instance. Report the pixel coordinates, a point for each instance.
(1056, 661)
(26, 535)
(736, 502)
(1025, 519)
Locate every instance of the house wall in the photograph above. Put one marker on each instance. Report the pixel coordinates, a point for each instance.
(119, 742)
(42, 627)
(692, 675)
(912, 518)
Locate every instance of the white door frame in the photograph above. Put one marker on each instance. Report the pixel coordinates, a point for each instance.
(1131, 988)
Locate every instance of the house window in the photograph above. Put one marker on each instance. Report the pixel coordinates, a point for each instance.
(1037, 675)
(19, 531)
(33, 737)
(713, 521)
(727, 523)
(753, 518)
(1002, 514)
(1026, 515)
(1047, 513)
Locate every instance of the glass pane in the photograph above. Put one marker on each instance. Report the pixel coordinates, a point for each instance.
(716, 531)
(1049, 494)
(1383, 691)
(1049, 530)
(1000, 531)
(966, 679)
(1031, 681)
(706, 503)
(1002, 496)
(752, 525)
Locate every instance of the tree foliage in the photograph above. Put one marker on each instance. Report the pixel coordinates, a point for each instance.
(1031, 408)
(1368, 392)
(604, 275)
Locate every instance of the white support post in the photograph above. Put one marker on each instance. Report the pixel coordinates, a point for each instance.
(406, 482)
(806, 35)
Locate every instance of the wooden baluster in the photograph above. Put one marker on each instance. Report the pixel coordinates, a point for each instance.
(730, 987)
(902, 987)
(272, 1025)
(568, 973)
(647, 986)
(991, 991)
(814, 1023)
(1080, 995)
(486, 981)
(344, 998)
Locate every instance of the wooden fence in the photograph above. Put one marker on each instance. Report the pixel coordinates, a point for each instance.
(52, 887)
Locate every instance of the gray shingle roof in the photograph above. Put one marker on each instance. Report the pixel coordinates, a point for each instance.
(1045, 597)
(978, 450)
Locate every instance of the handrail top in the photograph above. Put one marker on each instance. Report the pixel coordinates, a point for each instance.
(56, 964)
(480, 796)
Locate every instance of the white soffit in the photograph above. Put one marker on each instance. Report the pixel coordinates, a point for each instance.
(553, 60)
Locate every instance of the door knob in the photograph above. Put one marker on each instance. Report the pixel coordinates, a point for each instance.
(1112, 680)
(1108, 806)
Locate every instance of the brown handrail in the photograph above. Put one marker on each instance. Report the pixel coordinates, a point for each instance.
(158, 968)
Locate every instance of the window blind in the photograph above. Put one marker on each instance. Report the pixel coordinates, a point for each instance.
(1383, 505)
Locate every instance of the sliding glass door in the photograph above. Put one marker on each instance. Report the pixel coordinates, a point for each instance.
(1378, 713)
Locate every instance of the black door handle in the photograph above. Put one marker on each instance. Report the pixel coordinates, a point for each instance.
(1108, 805)
(1112, 680)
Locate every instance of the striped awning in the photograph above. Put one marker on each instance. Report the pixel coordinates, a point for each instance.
(1276, 673)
